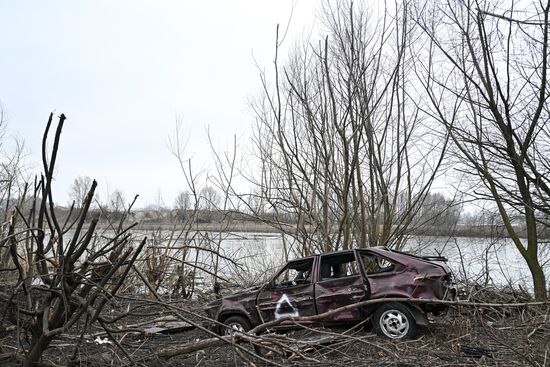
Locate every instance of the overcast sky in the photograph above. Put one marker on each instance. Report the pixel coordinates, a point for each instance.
(123, 71)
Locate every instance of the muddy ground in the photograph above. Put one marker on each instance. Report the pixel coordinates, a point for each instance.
(462, 337)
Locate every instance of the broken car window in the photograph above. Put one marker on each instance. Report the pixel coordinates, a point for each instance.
(338, 266)
(298, 272)
(375, 264)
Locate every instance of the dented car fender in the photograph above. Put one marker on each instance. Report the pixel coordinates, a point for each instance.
(319, 283)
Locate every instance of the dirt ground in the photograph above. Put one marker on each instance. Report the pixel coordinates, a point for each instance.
(463, 337)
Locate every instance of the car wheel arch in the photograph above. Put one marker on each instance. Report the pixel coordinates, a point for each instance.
(418, 314)
(416, 311)
(224, 315)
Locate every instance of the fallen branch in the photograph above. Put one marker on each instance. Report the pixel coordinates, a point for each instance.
(193, 347)
(132, 326)
(250, 337)
(323, 315)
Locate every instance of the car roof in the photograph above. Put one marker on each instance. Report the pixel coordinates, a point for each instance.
(377, 249)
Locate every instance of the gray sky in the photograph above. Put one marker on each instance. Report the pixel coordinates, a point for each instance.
(122, 71)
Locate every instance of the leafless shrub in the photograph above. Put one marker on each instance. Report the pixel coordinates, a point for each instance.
(66, 273)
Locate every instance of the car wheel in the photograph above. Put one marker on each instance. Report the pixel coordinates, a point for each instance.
(395, 321)
(235, 323)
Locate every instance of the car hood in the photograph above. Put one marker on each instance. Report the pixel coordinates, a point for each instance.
(243, 294)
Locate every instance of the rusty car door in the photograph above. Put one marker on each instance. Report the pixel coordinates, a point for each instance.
(289, 293)
(339, 284)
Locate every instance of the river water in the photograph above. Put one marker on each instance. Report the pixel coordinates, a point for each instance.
(250, 258)
(482, 261)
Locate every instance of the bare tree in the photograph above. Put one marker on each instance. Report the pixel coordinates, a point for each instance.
(117, 204)
(190, 246)
(182, 204)
(210, 198)
(12, 177)
(484, 68)
(65, 272)
(341, 143)
(79, 189)
(439, 215)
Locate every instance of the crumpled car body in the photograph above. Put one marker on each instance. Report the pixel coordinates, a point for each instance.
(316, 284)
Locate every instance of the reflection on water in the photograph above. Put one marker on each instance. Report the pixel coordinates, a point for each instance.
(483, 261)
(478, 260)
(249, 258)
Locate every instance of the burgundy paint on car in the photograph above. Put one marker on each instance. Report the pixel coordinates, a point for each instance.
(320, 283)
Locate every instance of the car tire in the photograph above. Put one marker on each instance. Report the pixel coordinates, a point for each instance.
(236, 323)
(395, 321)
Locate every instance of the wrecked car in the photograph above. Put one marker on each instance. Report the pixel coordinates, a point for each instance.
(316, 284)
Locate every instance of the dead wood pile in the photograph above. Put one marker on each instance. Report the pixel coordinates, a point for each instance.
(170, 333)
